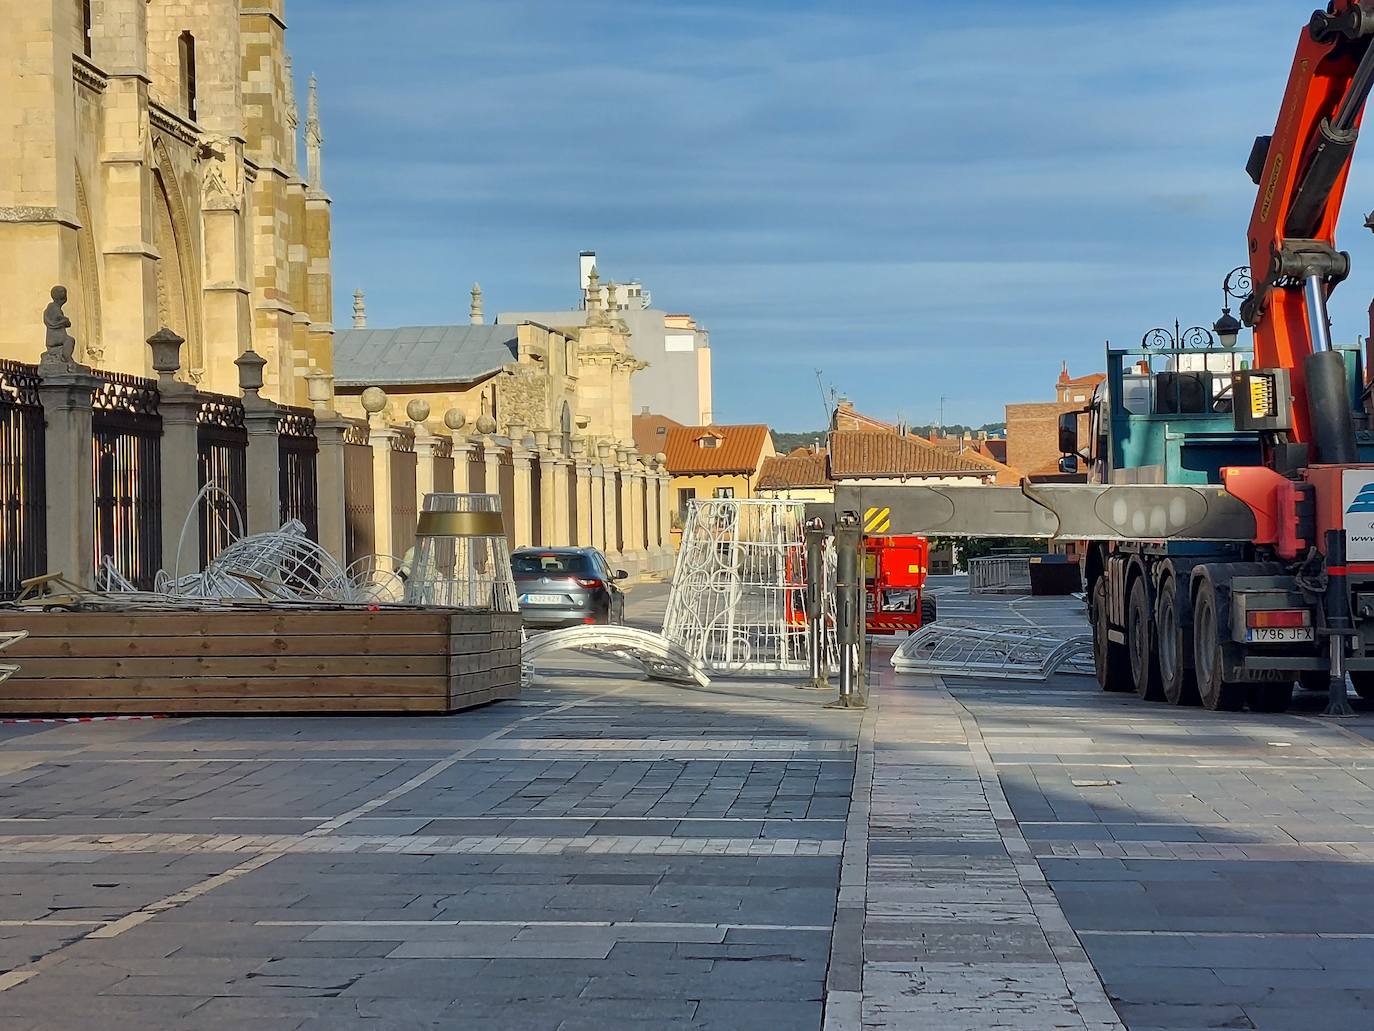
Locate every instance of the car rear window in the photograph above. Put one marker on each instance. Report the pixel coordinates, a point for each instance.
(551, 564)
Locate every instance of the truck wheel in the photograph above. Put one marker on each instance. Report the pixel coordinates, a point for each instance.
(1139, 646)
(1217, 694)
(927, 611)
(1176, 678)
(1109, 660)
(1271, 697)
(1363, 680)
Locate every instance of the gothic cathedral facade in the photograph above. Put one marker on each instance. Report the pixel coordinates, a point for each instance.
(149, 163)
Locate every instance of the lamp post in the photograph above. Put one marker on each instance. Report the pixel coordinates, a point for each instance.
(1236, 286)
(1195, 338)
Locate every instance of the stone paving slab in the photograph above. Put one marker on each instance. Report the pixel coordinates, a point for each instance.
(1217, 869)
(960, 930)
(604, 853)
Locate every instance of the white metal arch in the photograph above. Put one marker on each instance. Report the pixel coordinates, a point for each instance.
(653, 653)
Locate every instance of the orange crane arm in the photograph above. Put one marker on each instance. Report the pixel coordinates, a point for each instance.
(1301, 172)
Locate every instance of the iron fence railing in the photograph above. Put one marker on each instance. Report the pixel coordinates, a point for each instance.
(23, 498)
(221, 460)
(126, 468)
(999, 574)
(297, 457)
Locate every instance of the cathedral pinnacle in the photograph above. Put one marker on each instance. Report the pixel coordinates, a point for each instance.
(314, 139)
(359, 310)
(475, 312)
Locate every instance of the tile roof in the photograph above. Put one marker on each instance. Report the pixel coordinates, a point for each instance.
(651, 432)
(739, 449)
(807, 469)
(855, 454)
(422, 354)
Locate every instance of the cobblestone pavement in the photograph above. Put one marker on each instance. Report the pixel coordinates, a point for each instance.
(603, 853)
(607, 853)
(1217, 869)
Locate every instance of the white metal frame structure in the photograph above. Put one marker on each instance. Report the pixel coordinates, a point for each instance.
(999, 574)
(738, 601)
(8, 670)
(652, 653)
(1003, 653)
(462, 557)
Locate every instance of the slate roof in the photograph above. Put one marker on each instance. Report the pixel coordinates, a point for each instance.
(422, 354)
(796, 470)
(739, 450)
(855, 454)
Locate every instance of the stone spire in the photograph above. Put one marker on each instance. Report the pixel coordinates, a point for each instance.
(359, 310)
(475, 312)
(314, 140)
(596, 315)
(292, 118)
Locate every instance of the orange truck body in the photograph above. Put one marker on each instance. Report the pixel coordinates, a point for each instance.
(895, 564)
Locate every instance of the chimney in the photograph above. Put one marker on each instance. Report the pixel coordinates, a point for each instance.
(475, 312)
(359, 310)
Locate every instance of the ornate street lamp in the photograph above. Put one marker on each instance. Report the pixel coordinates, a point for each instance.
(1237, 286)
(1195, 338)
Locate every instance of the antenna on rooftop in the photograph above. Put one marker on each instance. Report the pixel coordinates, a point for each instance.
(828, 404)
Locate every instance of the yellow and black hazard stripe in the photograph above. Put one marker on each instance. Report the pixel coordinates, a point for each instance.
(877, 520)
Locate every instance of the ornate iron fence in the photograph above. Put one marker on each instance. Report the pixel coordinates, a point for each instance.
(126, 466)
(23, 498)
(404, 509)
(297, 454)
(221, 459)
(359, 504)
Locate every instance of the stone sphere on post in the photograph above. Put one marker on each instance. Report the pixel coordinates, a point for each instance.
(661, 460)
(486, 425)
(319, 388)
(373, 400)
(250, 365)
(417, 410)
(166, 348)
(455, 420)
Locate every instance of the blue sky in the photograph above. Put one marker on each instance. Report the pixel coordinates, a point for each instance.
(920, 199)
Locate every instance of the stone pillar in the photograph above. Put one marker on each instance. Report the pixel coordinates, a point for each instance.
(653, 548)
(582, 473)
(380, 437)
(329, 483)
(611, 486)
(66, 398)
(262, 421)
(665, 514)
(638, 481)
(491, 457)
(523, 516)
(329, 466)
(630, 551)
(462, 455)
(596, 502)
(426, 450)
(548, 517)
(180, 410)
(562, 517)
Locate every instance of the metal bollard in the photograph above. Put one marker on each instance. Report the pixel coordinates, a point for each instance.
(815, 608)
(849, 618)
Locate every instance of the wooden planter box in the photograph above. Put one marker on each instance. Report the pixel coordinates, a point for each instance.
(250, 661)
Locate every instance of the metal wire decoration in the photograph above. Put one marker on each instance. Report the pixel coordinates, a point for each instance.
(738, 602)
(462, 558)
(998, 652)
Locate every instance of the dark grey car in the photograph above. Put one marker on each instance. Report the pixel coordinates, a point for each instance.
(567, 587)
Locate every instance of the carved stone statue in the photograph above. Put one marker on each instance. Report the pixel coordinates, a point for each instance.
(61, 347)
